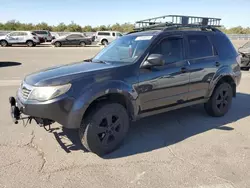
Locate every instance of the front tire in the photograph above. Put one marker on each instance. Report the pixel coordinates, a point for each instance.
(220, 101)
(4, 43)
(104, 128)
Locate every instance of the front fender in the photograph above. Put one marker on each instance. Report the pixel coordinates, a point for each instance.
(95, 91)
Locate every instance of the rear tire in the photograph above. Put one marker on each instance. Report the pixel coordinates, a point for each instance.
(4, 43)
(220, 101)
(104, 128)
(82, 44)
(58, 44)
(30, 43)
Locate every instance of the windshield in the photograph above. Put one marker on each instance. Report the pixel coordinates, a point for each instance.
(126, 49)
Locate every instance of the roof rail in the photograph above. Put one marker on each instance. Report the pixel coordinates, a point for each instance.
(177, 21)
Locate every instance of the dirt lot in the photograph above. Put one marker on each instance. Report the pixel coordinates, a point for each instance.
(183, 149)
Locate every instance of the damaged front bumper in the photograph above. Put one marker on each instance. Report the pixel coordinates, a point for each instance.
(16, 112)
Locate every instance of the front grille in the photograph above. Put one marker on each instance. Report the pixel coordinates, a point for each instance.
(25, 92)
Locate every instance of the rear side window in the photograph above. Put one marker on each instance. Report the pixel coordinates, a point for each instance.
(199, 46)
(223, 46)
(104, 33)
(41, 32)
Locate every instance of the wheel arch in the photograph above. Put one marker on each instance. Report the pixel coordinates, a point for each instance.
(228, 78)
(117, 92)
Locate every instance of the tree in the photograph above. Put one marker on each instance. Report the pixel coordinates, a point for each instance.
(87, 28)
(60, 27)
(43, 26)
(73, 27)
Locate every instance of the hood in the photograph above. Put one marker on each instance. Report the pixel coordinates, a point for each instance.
(244, 50)
(65, 73)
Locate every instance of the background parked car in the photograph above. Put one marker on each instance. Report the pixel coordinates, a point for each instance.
(20, 37)
(71, 40)
(245, 56)
(105, 37)
(45, 34)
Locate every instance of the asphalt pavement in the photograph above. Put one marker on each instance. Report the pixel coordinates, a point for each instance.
(181, 149)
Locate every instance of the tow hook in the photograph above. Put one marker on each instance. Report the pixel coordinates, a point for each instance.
(15, 112)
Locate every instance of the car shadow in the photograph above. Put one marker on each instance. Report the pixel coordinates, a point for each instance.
(9, 63)
(169, 128)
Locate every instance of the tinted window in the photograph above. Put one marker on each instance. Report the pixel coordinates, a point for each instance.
(223, 45)
(171, 49)
(41, 32)
(74, 36)
(104, 33)
(113, 34)
(199, 46)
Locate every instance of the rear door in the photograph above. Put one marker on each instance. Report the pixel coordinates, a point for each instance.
(204, 63)
(22, 36)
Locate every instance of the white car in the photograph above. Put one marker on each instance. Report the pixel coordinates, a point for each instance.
(19, 37)
(106, 37)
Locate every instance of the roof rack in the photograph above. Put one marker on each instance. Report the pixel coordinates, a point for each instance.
(177, 21)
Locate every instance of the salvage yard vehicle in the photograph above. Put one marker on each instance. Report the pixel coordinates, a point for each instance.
(45, 34)
(106, 37)
(160, 66)
(245, 56)
(19, 37)
(71, 40)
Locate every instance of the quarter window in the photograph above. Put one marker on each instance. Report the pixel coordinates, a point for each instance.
(199, 46)
(171, 49)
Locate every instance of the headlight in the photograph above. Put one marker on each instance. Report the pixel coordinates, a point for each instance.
(49, 92)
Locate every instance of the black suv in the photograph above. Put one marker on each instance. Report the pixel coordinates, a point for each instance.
(140, 74)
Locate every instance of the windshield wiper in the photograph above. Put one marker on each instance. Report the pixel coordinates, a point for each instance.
(99, 61)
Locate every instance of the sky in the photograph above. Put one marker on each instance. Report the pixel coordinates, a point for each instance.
(104, 12)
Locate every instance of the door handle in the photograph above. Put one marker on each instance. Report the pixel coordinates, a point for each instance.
(184, 69)
(217, 64)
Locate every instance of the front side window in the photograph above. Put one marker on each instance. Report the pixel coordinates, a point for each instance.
(199, 47)
(14, 34)
(171, 49)
(113, 34)
(126, 49)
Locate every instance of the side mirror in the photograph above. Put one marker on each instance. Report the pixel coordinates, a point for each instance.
(153, 60)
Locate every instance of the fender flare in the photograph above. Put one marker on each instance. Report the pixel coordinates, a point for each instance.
(220, 74)
(97, 90)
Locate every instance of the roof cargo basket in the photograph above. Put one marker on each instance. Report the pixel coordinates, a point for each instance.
(170, 21)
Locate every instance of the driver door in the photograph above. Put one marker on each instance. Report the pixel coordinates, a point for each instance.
(164, 86)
